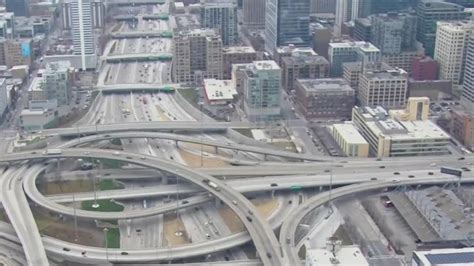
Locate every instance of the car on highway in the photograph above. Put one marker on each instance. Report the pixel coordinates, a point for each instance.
(274, 185)
(430, 173)
(411, 176)
(234, 202)
(116, 153)
(66, 249)
(395, 181)
(249, 219)
(396, 173)
(124, 253)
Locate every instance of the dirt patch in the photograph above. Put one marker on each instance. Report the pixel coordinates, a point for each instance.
(285, 145)
(170, 226)
(64, 230)
(265, 206)
(231, 219)
(195, 160)
(60, 187)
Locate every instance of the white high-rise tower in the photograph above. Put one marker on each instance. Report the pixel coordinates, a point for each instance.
(82, 34)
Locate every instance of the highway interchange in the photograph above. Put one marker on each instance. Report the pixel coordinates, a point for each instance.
(154, 129)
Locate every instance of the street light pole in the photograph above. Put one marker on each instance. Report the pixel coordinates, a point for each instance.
(75, 218)
(106, 244)
(177, 196)
(95, 205)
(202, 131)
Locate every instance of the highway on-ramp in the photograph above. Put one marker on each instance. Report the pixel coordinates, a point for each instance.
(16, 206)
(289, 227)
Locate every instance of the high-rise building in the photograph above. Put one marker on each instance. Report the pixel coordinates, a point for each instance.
(221, 15)
(197, 56)
(303, 67)
(324, 98)
(323, 6)
(403, 60)
(97, 13)
(56, 82)
(428, 13)
(450, 49)
(362, 29)
(393, 32)
(387, 88)
(424, 68)
(321, 39)
(66, 19)
(81, 25)
(17, 52)
(349, 10)
(343, 52)
(384, 6)
(343, 14)
(262, 90)
(253, 11)
(237, 55)
(19, 7)
(3, 96)
(467, 98)
(286, 22)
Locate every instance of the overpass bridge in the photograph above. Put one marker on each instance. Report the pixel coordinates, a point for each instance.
(138, 57)
(163, 126)
(142, 34)
(135, 2)
(187, 139)
(145, 17)
(140, 87)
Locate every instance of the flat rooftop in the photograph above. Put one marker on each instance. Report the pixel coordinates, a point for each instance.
(350, 255)
(366, 46)
(238, 50)
(326, 85)
(219, 90)
(407, 130)
(349, 133)
(266, 65)
(448, 256)
(305, 60)
(387, 74)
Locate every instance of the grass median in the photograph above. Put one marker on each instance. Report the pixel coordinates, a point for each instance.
(104, 206)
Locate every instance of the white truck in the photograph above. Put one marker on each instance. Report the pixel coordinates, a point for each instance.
(212, 184)
(52, 152)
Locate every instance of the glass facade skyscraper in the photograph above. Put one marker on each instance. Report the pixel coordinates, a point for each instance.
(286, 22)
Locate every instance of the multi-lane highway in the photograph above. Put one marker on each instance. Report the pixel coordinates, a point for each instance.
(16, 206)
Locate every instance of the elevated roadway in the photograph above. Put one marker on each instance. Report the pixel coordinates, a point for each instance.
(141, 34)
(135, 2)
(146, 17)
(138, 57)
(262, 234)
(166, 126)
(187, 139)
(289, 227)
(246, 185)
(138, 87)
(16, 206)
